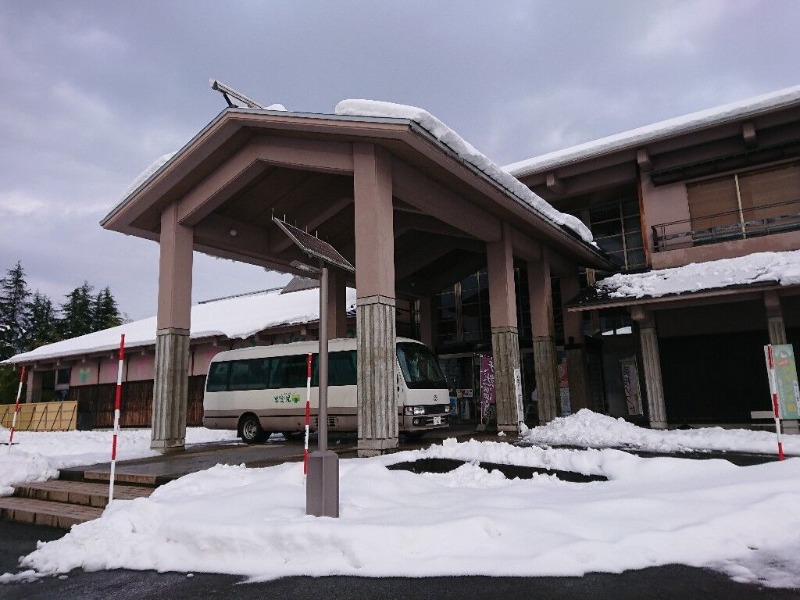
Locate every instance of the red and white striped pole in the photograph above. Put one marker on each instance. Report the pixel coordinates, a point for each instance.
(308, 415)
(117, 404)
(16, 407)
(776, 407)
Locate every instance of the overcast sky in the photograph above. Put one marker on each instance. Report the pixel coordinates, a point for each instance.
(94, 91)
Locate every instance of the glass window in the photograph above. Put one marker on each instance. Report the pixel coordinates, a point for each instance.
(248, 374)
(419, 367)
(288, 371)
(342, 369)
(218, 377)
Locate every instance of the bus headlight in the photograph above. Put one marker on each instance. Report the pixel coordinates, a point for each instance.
(414, 410)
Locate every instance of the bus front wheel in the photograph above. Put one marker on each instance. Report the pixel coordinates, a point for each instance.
(250, 429)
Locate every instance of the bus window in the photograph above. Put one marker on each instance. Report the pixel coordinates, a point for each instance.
(248, 374)
(218, 377)
(419, 367)
(341, 369)
(288, 371)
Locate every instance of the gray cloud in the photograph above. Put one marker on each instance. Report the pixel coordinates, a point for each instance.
(94, 91)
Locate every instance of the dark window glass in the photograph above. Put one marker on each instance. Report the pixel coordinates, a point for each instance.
(341, 369)
(248, 374)
(419, 366)
(218, 377)
(288, 371)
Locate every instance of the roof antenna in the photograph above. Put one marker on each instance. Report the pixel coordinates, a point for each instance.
(229, 92)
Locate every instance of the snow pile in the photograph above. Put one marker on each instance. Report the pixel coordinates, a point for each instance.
(781, 268)
(37, 456)
(238, 317)
(587, 428)
(467, 152)
(467, 522)
(146, 174)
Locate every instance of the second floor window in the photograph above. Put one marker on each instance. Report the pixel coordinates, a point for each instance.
(767, 196)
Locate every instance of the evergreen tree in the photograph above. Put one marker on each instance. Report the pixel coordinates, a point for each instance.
(13, 312)
(106, 313)
(43, 324)
(77, 313)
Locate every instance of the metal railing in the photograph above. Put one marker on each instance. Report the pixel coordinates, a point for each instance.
(726, 226)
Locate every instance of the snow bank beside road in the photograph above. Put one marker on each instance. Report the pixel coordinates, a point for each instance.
(593, 430)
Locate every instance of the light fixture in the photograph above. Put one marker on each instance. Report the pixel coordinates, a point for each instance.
(233, 233)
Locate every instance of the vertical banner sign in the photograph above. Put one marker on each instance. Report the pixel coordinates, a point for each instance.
(518, 396)
(786, 381)
(487, 384)
(630, 385)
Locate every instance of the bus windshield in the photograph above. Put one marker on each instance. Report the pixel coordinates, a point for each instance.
(419, 366)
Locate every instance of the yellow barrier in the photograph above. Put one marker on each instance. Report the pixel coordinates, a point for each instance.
(41, 416)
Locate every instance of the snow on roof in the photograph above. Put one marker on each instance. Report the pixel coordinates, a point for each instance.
(468, 153)
(237, 317)
(649, 133)
(782, 268)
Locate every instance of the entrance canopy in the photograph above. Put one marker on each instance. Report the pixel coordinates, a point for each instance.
(250, 164)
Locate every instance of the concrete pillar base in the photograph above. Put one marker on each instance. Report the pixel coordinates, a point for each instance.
(322, 484)
(170, 391)
(377, 384)
(546, 370)
(505, 349)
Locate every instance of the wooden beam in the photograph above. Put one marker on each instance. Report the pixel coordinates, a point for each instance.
(434, 199)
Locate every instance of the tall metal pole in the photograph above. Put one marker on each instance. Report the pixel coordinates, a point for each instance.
(322, 433)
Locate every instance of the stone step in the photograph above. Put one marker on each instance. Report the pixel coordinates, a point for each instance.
(78, 492)
(43, 512)
(134, 479)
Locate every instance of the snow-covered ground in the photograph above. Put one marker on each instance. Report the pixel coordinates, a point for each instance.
(651, 511)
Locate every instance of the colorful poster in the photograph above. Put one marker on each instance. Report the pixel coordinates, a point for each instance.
(783, 380)
(487, 385)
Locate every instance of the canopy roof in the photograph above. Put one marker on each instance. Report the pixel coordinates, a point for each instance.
(249, 164)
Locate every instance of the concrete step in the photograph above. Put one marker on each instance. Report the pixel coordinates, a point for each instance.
(134, 479)
(78, 492)
(43, 512)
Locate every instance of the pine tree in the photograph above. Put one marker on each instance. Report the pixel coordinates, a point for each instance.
(77, 313)
(42, 321)
(106, 313)
(13, 312)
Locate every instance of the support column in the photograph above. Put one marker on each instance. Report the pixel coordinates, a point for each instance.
(575, 346)
(337, 304)
(426, 321)
(171, 386)
(775, 324)
(651, 359)
(375, 306)
(544, 344)
(505, 335)
(33, 385)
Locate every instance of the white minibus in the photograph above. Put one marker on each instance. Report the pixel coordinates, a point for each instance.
(262, 389)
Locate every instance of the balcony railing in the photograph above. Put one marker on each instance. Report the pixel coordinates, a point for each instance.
(731, 225)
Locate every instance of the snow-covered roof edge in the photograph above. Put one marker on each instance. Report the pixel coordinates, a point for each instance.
(237, 317)
(468, 153)
(781, 268)
(649, 133)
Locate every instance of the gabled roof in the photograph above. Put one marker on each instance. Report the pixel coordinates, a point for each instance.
(641, 136)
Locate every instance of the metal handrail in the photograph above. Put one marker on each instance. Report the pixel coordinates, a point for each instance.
(665, 236)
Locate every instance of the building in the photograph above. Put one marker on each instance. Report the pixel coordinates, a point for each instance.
(85, 368)
(700, 214)
(686, 208)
